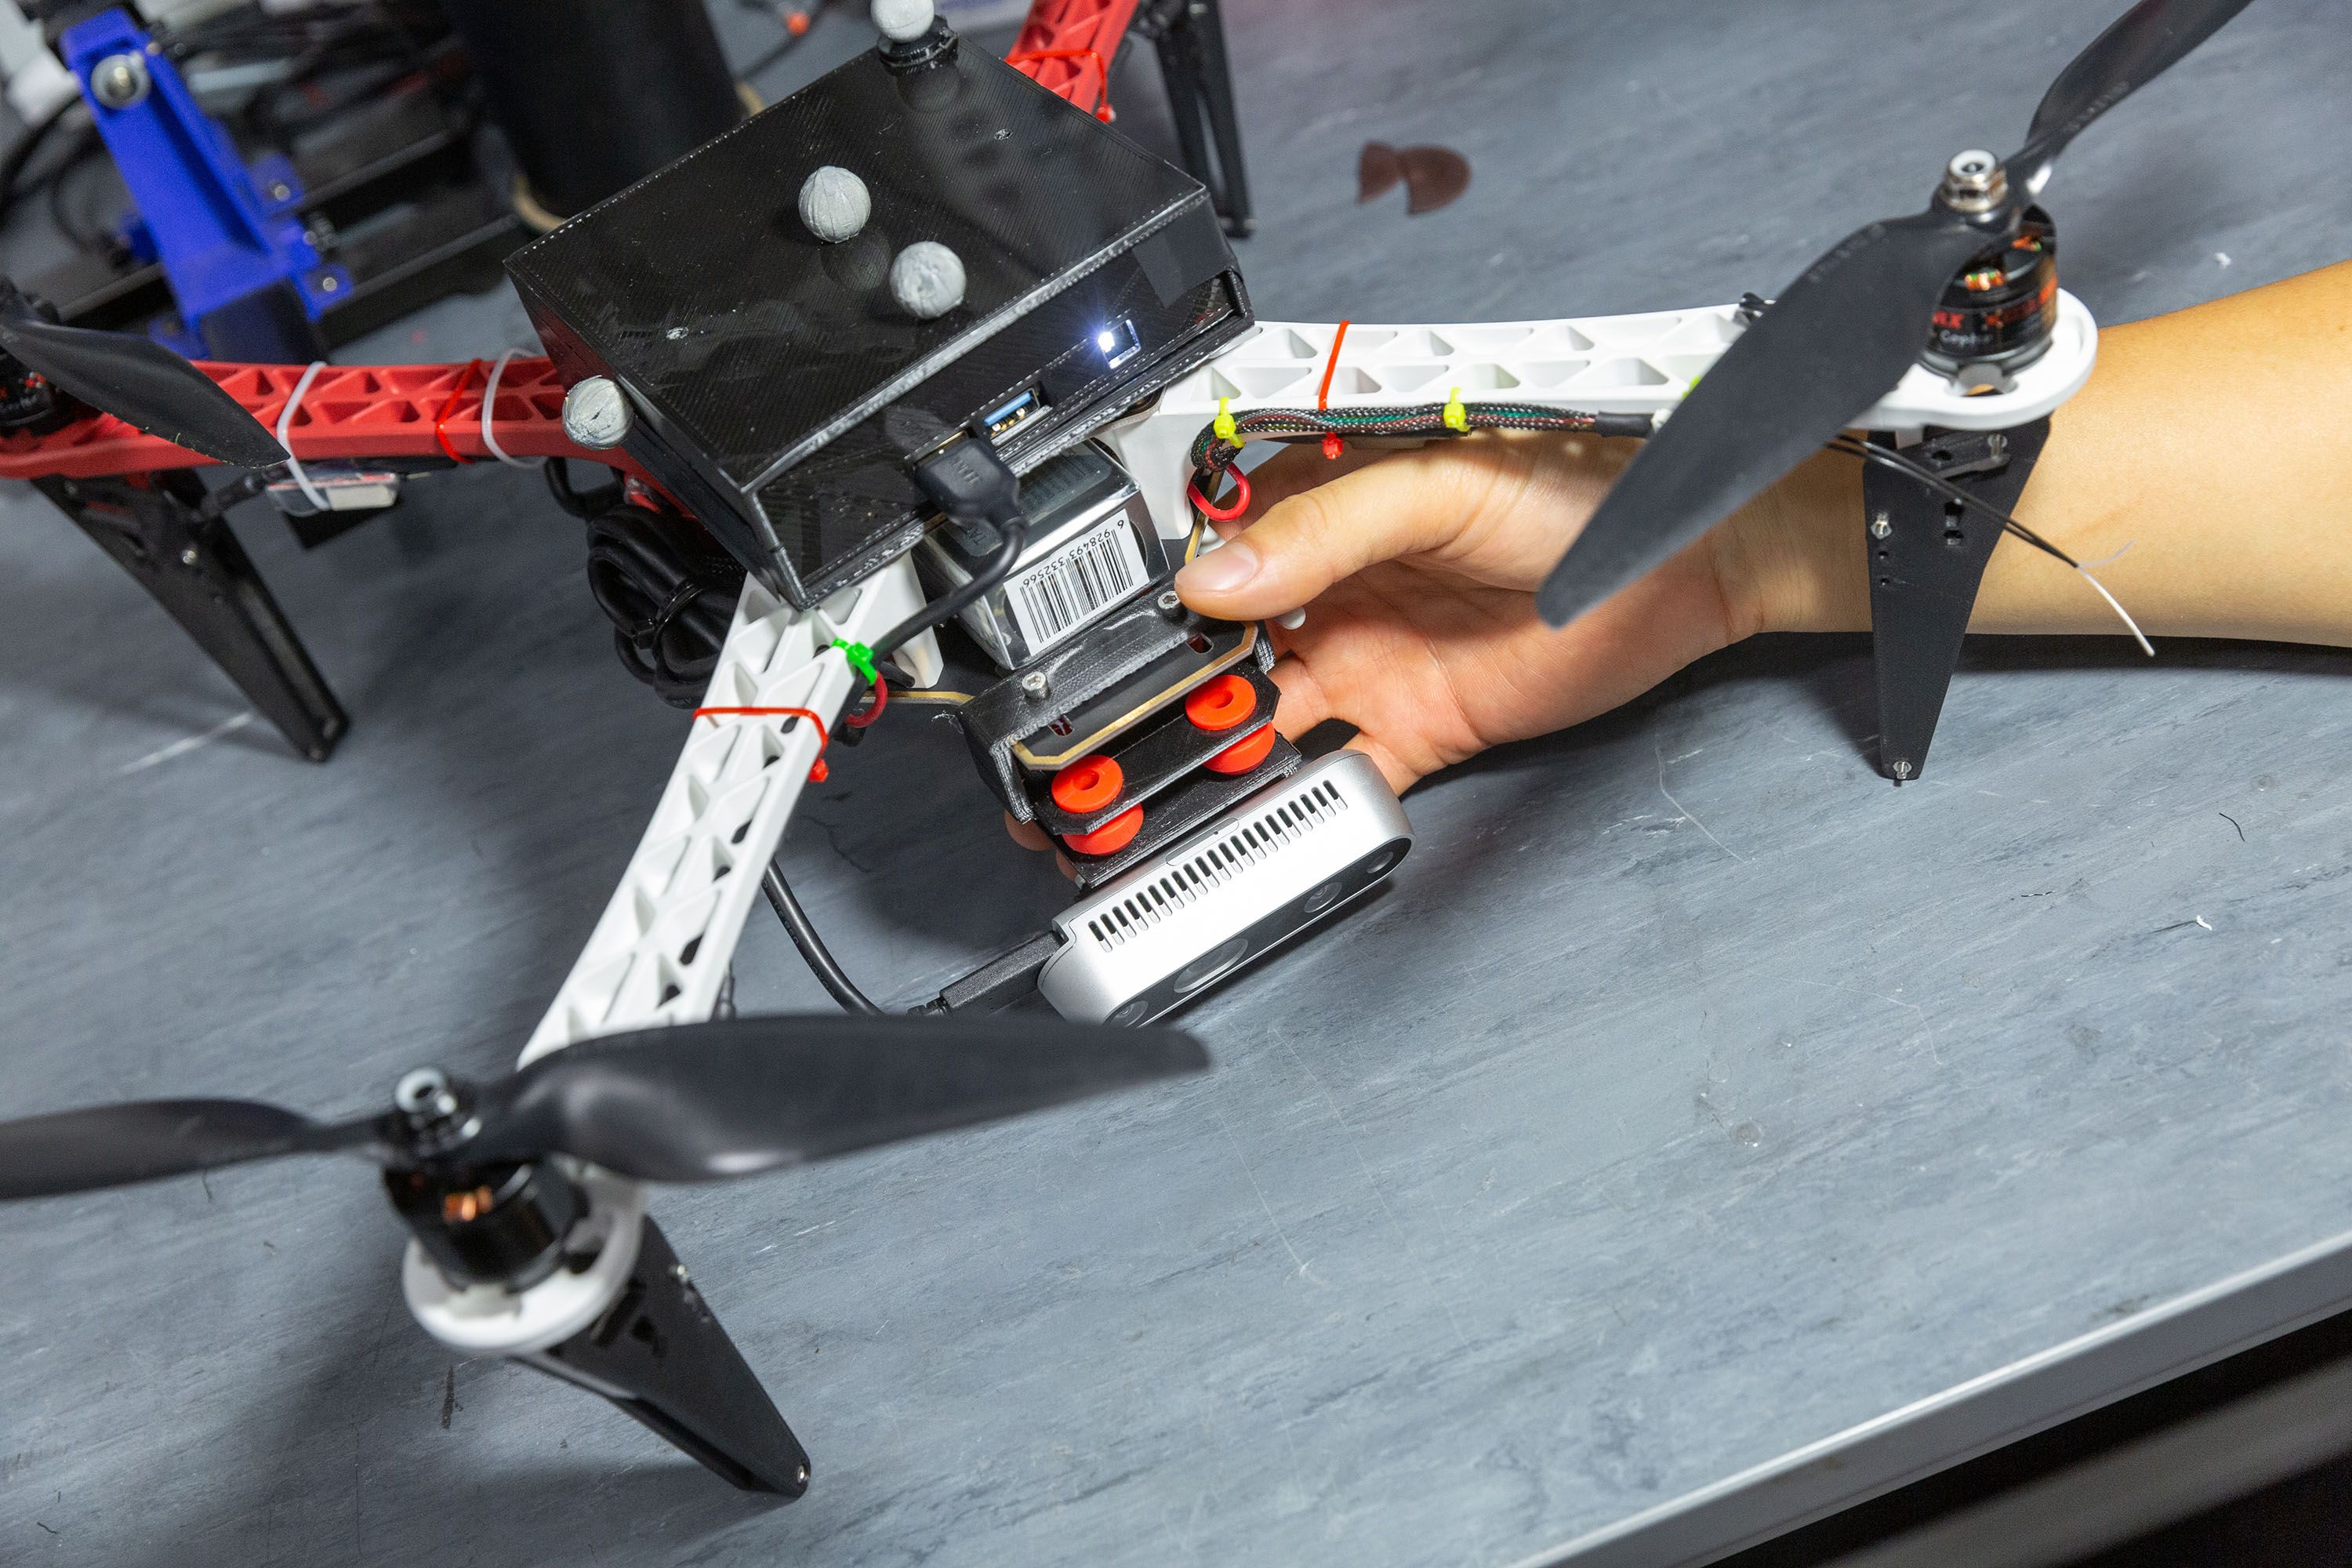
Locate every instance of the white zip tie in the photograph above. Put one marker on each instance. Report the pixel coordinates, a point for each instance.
(286, 422)
(489, 400)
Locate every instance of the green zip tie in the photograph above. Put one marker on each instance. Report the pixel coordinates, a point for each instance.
(860, 657)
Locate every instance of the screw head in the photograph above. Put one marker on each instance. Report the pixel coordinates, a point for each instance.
(1036, 685)
(188, 556)
(120, 81)
(1169, 602)
(1879, 527)
(596, 413)
(1902, 768)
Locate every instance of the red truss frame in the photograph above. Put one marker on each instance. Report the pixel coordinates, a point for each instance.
(396, 411)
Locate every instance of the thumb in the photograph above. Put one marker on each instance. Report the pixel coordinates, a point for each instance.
(1307, 540)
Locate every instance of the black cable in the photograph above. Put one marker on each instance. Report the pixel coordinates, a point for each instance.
(581, 504)
(1888, 458)
(670, 593)
(20, 156)
(976, 489)
(829, 974)
(1012, 537)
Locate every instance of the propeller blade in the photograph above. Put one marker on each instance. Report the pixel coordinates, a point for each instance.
(2139, 47)
(113, 1145)
(1832, 345)
(701, 1102)
(142, 384)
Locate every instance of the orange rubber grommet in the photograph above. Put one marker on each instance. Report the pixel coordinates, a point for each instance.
(1088, 785)
(1221, 703)
(1244, 753)
(1112, 837)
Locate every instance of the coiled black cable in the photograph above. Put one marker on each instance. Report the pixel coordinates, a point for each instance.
(667, 588)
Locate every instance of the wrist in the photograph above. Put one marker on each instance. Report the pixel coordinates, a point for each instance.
(1792, 560)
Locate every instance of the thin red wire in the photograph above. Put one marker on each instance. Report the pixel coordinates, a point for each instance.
(1102, 74)
(465, 379)
(1240, 498)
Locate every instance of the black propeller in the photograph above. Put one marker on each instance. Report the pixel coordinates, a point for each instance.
(1846, 332)
(695, 1102)
(139, 381)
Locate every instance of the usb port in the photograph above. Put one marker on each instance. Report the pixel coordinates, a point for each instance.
(1012, 414)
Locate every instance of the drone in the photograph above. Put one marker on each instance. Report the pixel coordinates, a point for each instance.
(926, 344)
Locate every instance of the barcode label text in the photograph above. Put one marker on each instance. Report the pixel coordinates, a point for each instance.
(1051, 601)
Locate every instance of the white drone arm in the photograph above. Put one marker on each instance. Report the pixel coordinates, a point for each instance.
(660, 953)
(1602, 364)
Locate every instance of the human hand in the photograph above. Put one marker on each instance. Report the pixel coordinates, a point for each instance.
(1418, 572)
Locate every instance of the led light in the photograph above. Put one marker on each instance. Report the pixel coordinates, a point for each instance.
(1116, 342)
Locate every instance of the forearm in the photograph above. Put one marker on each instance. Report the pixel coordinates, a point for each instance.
(2213, 441)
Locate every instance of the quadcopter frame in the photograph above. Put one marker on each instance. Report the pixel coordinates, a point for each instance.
(626, 1322)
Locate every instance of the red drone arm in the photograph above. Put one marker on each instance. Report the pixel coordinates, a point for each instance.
(382, 411)
(1067, 46)
(354, 412)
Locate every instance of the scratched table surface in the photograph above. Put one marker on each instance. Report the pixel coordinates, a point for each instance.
(1700, 1133)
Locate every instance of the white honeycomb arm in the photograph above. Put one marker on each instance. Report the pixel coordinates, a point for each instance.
(1606, 365)
(661, 950)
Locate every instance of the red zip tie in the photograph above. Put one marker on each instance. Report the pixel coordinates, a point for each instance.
(1323, 393)
(1102, 110)
(1240, 498)
(715, 715)
(464, 377)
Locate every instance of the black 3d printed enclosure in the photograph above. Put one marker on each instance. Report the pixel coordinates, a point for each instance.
(778, 389)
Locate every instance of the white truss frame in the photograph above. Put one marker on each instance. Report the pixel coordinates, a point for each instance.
(1604, 365)
(662, 949)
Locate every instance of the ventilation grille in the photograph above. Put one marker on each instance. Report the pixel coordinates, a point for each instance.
(1264, 835)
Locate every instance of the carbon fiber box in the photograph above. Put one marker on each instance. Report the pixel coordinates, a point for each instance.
(778, 389)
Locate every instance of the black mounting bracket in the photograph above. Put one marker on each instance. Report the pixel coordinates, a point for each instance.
(660, 1354)
(155, 528)
(1189, 38)
(1926, 555)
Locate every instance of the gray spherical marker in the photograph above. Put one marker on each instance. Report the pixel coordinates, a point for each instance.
(834, 204)
(902, 21)
(596, 413)
(927, 280)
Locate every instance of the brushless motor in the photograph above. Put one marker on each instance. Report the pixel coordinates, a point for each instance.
(1999, 314)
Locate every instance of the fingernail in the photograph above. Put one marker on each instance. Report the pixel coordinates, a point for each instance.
(1221, 571)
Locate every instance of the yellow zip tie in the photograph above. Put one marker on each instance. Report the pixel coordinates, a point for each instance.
(1223, 426)
(1457, 418)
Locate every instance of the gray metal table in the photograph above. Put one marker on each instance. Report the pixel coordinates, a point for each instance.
(1700, 1133)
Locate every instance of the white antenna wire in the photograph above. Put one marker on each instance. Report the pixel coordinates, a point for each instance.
(2137, 634)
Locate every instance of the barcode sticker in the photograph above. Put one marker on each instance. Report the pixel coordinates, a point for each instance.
(1051, 601)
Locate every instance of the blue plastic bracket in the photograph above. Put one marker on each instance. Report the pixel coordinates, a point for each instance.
(229, 237)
